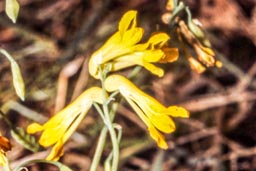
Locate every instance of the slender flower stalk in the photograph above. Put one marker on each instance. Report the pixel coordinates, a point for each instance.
(156, 116)
(108, 120)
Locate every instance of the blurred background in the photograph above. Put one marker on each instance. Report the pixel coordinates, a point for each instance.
(52, 41)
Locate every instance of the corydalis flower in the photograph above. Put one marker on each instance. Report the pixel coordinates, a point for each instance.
(123, 50)
(62, 125)
(4, 147)
(156, 116)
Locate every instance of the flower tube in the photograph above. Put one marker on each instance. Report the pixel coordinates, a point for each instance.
(57, 130)
(156, 116)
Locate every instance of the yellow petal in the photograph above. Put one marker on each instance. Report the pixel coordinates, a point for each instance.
(114, 40)
(112, 49)
(34, 127)
(140, 113)
(2, 159)
(140, 47)
(158, 39)
(176, 111)
(152, 55)
(56, 152)
(56, 127)
(153, 69)
(128, 21)
(158, 137)
(62, 131)
(137, 58)
(132, 36)
(171, 55)
(94, 94)
(162, 122)
(154, 133)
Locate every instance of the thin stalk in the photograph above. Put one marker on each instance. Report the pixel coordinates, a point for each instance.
(107, 117)
(99, 149)
(107, 162)
(113, 137)
(97, 107)
(102, 137)
(109, 122)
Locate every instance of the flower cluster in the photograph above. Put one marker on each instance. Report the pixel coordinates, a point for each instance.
(122, 50)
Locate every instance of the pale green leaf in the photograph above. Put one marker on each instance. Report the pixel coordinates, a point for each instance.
(17, 79)
(12, 9)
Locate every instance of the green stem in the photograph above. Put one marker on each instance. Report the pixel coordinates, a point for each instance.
(177, 9)
(113, 137)
(107, 117)
(109, 121)
(99, 149)
(103, 135)
(107, 162)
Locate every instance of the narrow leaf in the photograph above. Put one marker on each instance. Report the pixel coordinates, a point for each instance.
(12, 9)
(17, 79)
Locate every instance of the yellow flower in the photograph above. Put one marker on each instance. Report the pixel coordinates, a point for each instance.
(4, 147)
(156, 116)
(61, 126)
(122, 49)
